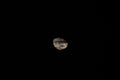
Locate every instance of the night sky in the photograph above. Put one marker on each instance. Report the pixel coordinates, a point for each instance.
(85, 35)
(83, 27)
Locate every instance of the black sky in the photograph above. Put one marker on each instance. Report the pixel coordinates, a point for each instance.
(83, 26)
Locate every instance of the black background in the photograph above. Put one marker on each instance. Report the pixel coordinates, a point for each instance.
(34, 27)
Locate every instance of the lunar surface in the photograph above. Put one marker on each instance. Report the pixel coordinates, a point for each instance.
(60, 43)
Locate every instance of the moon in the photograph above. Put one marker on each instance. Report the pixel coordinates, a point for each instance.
(60, 43)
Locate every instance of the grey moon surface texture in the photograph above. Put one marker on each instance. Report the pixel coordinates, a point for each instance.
(60, 43)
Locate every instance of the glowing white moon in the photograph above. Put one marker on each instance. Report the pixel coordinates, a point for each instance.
(60, 43)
